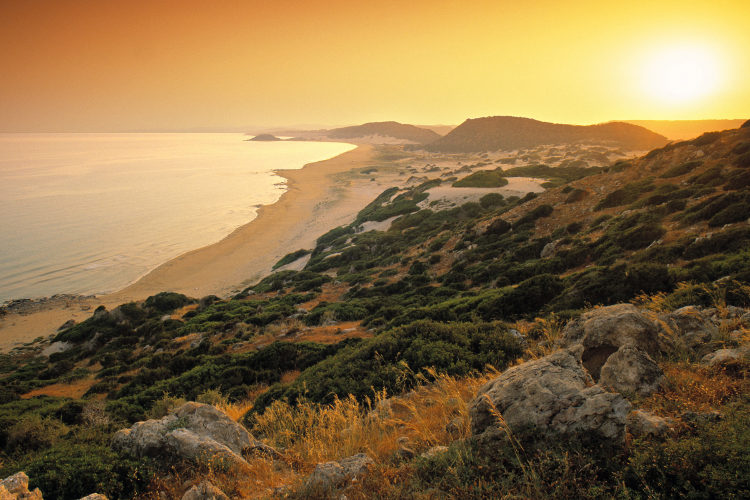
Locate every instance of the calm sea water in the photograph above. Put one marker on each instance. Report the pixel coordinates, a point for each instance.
(91, 213)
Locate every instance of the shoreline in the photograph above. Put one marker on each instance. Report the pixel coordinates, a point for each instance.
(319, 196)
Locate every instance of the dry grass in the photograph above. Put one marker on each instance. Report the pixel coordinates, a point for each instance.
(693, 387)
(75, 389)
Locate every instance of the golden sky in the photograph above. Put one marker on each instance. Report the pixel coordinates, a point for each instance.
(111, 65)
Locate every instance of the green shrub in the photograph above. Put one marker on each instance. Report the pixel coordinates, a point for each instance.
(626, 195)
(291, 257)
(483, 178)
(682, 169)
(491, 200)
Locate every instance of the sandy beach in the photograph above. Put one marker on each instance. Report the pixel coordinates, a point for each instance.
(319, 196)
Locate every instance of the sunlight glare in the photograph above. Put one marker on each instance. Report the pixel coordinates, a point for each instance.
(681, 73)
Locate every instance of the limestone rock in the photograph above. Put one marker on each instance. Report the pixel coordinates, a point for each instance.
(204, 491)
(641, 423)
(724, 357)
(193, 431)
(554, 395)
(689, 327)
(630, 370)
(16, 487)
(604, 330)
(94, 496)
(330, 475)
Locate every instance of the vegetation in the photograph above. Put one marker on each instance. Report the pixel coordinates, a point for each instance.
(484, 179)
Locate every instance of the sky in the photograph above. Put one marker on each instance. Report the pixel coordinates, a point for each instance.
(112, 65)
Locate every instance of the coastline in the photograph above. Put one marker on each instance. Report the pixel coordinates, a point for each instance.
(319, 196)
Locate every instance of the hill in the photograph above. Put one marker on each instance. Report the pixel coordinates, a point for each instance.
(678, 130)
(387, 340)
(510, 132)
(385, 129)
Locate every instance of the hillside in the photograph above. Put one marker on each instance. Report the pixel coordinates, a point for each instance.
(510, 132)
(679, 130)
(373, 361)
(392, 129)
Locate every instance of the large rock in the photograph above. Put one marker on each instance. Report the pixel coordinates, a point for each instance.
(193, 432)
(688, 327)
(604, 330)
(553, 394)
(331, 475)
(204, 491)
(724, 357)
(631, 371)
(16, 487)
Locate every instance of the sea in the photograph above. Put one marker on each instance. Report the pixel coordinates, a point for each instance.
(91, 213)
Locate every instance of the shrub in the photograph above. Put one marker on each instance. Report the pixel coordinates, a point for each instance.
(498, 227)
(483, 178)
(626, 195)
(682, 169)
(291, 257)
(165, 302)
(733, 213)
(491, 200)
(743, 160)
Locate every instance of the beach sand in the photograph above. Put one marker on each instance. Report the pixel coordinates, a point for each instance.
(319, 197)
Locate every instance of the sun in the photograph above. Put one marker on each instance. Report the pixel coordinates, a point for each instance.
(681, 73)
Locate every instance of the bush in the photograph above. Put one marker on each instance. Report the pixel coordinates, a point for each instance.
(625, 195)
(683, 169)
(291, 257)
(491, 200)
(733, 213)
(743, 160)
(483, 178)
(498, 227)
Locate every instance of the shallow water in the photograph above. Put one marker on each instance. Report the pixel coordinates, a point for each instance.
(90, 213)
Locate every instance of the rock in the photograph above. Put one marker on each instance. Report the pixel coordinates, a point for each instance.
(56, 347)
(705, 417)
(520, 337)
(190, 446)
(745, 320)
(435, 450)
(632, 371)
(94, 496)
(192, 431)
(690, 327)
(16, 487)
(204, 491)
(641, 423)
(549, 249)
(552, 394)
(330, 475)
(604, 330)
(724, 357)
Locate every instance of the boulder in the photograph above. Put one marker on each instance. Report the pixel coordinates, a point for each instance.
(642, 423)
(604, 330)
(94, 496)
(16, 487)
(204, 491)
(724, 357)
(330, 475)
(193, 431)
(688, 327)
(631, 371)
(552, 394)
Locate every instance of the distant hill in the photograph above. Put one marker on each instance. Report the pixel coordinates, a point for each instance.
(264, 137)
(511, 132)
(385, 129)
(678, 130)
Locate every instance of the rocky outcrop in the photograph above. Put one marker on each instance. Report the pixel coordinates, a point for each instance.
(631, 371)
(641, 423)
(331, 475)
(192, 432)
(604, 330)
(16, 487)
(553, 394)
(94, 496)
(724, 357)
(204, 491)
